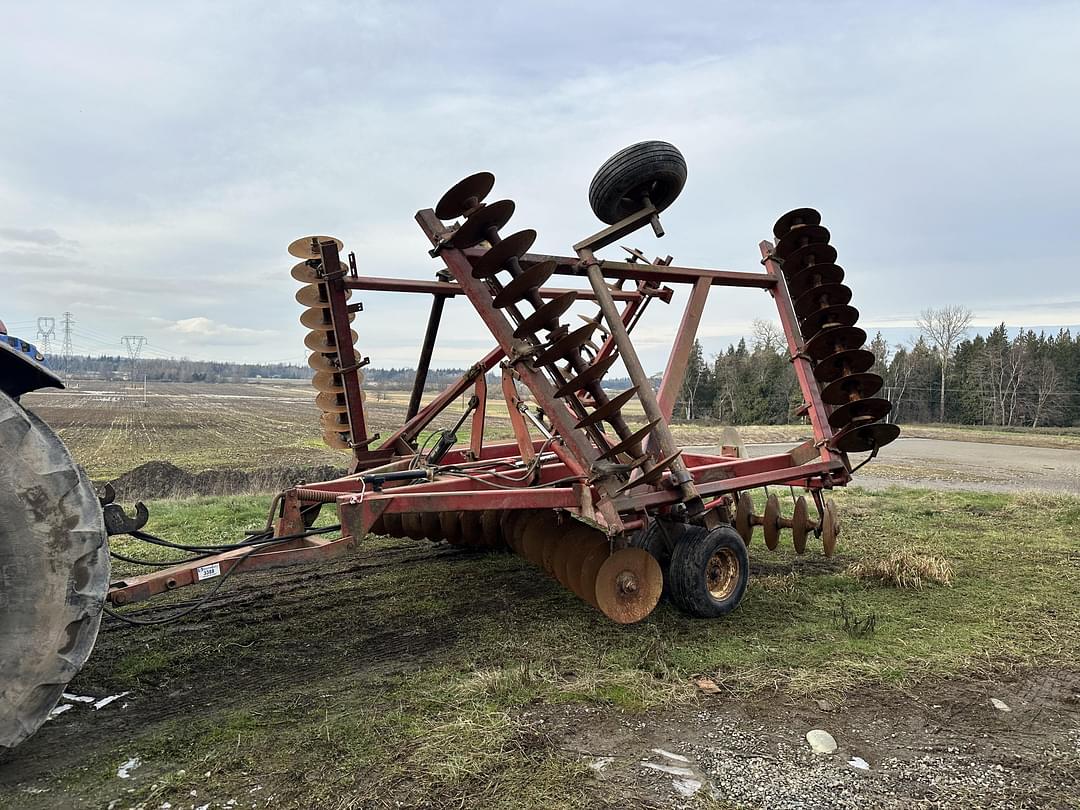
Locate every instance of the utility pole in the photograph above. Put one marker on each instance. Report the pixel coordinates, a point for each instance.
(66, 351)
(134, 344)
(46, 331)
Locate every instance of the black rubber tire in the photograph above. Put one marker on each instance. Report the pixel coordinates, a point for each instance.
(660, 539)
(655, 168)
(689, 572)
(54, 571)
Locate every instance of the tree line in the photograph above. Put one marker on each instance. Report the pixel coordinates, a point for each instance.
(1004, 379)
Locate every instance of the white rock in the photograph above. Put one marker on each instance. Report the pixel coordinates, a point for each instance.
(860, 763)
(821, 741)
(57, 710)
(105, 701)
(686, 787)
(669, 755)
(674, 771)
(125, 769)
(77, 698)
(600, 763)
(1000, 705)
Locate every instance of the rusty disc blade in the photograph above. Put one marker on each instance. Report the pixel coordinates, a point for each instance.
(450, 527)
(476, 227)
(411, 525)
(310, 273)
(799, 283)
(851, 387)
(628, 585)
(799, 216)
(864, 438)
(318, 341)
(319, 318)
(830, 528)
(744, 517)
(631, 441)
(771, 522)
(536, 531)
(392, 524)
(513, 527)
(432, 526)
(550, 548)
(562, 348)
(823, 295)
(331, 403)
(547, 317)
(586, 580)
(800, 237)
(498, 256)
(465, 195)
(326, 382)
(861, 410)
(525, 283)
(608, 409)
(653, 475)
(307, 247)
(800, 525)
(592, 374)
(571, 542)
(579, 553)
(471, 531)
(489, 528)
(311, 295)
(323, 362)
(827, 318)
(805, 257)
(336, 441)
(335, 421)
(852, 361)
(830, 341)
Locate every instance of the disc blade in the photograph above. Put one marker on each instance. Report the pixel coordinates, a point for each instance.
(564, 346)
(498, 256)
(826, 318)
(771, 522)
(744, 517)
(803, 258)
(608, 409)
(475, 228)
(631, 441)
(586, 580)
(310, 273)
(852, 361)
(318, 318)
(861, 411)
(307, 247)
(822, 295)
(799, 283)
(864, 438)
(628, 585)
(830, 341)
(800, 525)
(801, 236)
(336, 441)
(593, 374)
(524, 283)
(799, 216)
(465, 195)
(547, 316)
(850, 388)
(318, 341)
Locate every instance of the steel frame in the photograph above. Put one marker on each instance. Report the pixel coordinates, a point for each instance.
(567, 474)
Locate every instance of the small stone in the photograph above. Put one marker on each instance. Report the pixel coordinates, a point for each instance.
(1000, 705)
(824, 705)
(860, 763)
(821, 741)
(707, 685)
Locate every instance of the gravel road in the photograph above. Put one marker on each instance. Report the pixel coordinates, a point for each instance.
(940, 464)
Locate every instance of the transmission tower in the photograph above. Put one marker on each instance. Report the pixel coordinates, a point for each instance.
(134, 344)
(46, 331)
(65, 351)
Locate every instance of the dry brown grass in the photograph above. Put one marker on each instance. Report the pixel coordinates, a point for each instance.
(905, 568)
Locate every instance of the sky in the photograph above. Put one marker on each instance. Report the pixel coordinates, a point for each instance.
(156, 159)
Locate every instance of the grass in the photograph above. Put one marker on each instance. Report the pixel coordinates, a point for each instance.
(905, 568)
(460, 679)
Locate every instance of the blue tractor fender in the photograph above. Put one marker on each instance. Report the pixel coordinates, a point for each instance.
(22, 367)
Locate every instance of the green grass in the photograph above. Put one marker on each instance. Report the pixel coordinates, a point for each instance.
(425, 683)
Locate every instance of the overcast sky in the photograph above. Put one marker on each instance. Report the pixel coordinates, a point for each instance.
(157, 158)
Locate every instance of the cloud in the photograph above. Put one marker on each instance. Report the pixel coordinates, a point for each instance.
(172, 158)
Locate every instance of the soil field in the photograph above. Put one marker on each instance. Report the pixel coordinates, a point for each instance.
(420, 675)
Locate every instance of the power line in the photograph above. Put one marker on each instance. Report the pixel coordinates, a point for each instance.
(134, 344)
(46, 331)
(65, 351)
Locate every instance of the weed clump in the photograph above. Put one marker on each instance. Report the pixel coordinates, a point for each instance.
(905, 568)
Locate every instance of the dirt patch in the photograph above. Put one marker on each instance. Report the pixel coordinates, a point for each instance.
(160, 479)
(942, 744)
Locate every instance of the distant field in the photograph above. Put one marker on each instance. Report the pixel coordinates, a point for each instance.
(203, 426)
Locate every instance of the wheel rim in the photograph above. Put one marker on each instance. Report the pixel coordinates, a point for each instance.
(722, 574)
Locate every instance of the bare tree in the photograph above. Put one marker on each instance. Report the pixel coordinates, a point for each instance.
(768, 336)
(943, 328)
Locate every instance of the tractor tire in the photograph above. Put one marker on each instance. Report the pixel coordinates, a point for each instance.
(653, 168)
(709, 572)
(660, 539)
(54, 571)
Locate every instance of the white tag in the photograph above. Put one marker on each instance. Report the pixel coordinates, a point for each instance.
(208, 571)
